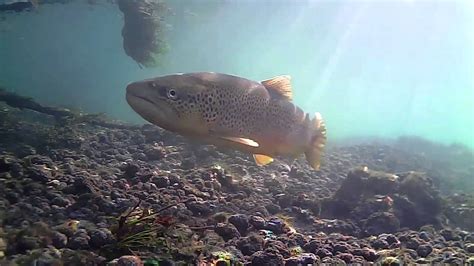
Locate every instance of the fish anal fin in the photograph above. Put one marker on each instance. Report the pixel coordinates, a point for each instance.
(280, 85)
(262, 159)
(244, 141)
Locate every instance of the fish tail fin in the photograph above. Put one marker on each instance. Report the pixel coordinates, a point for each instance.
(317, 142)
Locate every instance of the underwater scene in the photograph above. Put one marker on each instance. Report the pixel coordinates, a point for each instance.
(236, 132)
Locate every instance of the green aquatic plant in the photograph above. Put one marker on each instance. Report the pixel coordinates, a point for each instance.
(141, 228)
(151, 262)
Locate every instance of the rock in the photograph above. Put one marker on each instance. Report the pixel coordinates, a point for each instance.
(78, 242)
(469, 247)
(381, 222)
(273, 208)
(161, 181)
(426, 202)
(100, 237)
(267, 258)
(450, 235)
(302, 259)
(46, 256)
(199, 207)
(226, 231)
(379, 244)
(276, 225)
(59, 240)
(174, 178)
(27, 243)
(308, 258)
(130, 170)
(424, 235)
(412, 243)
(312, 246)
(249, 245)
(6, 163)
(257, 222)
(129, 261)
(323, 252)
(24, 150)
(367, 253)
(341, 248)
(188, 163)
(391, 239)
(240, 221)
(155, 152)
(60, 201)
(38, 173)
(424, 250)
(293, 261)
(81, 257)
(346, 257)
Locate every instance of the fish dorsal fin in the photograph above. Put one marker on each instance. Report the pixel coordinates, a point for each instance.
(244, 141)
(280, 85)
(262, 159)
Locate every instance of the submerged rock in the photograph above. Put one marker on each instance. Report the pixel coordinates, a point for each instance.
(383, 202)
(227, 231)
(267, 258)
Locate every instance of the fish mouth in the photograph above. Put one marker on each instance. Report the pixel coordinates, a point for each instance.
(154, 110)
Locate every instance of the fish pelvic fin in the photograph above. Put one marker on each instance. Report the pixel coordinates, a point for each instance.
(317, 142)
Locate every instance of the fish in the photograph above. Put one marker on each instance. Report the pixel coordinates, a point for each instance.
(259, 118)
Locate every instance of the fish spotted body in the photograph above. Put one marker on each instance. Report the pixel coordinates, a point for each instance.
(229, 111)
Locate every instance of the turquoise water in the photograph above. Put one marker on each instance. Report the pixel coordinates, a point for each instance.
(372, 68)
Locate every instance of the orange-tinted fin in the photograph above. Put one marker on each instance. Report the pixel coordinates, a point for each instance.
(244, 141)
(280, 85)
(262, 159)
(318, 141)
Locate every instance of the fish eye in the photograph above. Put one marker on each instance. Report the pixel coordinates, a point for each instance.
(152, 84)
(172, 94)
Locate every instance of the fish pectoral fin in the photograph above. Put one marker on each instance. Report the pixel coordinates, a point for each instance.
(262, 159)
(244, 141)
(280, 85)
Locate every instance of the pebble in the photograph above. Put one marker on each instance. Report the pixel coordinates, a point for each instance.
(469, 247)
(161, 181)
(265, 258)
(59, 239)
(424, 250)
(129, 261)
(240, 221)
(78, 242)
(249, 245)
(323, 252)
(257, 222)
(226, 231)
(100, 237)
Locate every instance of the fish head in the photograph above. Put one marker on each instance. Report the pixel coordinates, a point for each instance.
(168, 102)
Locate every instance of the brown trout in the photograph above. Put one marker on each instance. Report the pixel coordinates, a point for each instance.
(233, 112)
